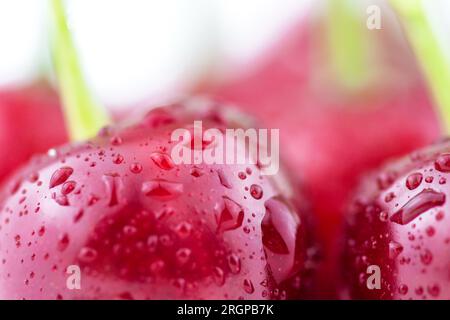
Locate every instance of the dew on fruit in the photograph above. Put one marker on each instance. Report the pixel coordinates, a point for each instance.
(68, 187)
(383, 216)
(162, 160)
(231, 215)
(183, 230)
(403, 289)
(114, 185)
(196, 172)
(87, 255)
(248, 286)
(271, 236)
(434, 290)
(60, 176)
(242, 175)
(41, 231)
(430, 231)
(183, 255)
(256, 191)
(78, 215)
(218, 276)
(223, 179)
(115, 141)
(152, 243)
(419, 204)
(426, 257)
(395, 249)
(63, 242)
(442, 163)
(234, 263)
(136, 167)
(162, 189)
(118, 159)
(414, 180)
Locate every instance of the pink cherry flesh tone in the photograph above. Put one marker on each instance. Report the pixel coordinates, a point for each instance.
(23, 132)
(400, 221)
(140, 226)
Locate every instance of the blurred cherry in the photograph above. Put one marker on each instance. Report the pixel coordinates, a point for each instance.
(31, 121)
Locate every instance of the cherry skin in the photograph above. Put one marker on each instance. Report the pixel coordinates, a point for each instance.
(400, 222)
(23, 132)
(139, 226)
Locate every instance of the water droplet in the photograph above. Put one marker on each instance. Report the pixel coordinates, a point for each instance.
(442, 163)
(403, 289)
(420, 203)
(162, 160)
(162, 189)
(33, 177)
(183, 229)
(234, 263)
(388, 198)
(41, 231)
(430, 231)
(115, 141)
(152, 243)
(383, 216)
(60, 176)
(426, 257)
(63, 242)
(87, 255)
(395, 249)
(429, 179)
(196, 172)
(135, 167)
(434, 290)
(256, 191)
(273, 219)
(78, 216)
(248, 286)
(219, 276)
(62, 200)
(231, 215)
(223, 179)
(118, 159)
(183, 255)
(68, 187)
(114, 186)
(242, 175)
(414, 180)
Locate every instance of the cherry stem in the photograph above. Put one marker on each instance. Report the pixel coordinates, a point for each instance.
(348, 45)
(434, 62)
(84, 116)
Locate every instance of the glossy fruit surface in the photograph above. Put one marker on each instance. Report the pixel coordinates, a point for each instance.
(400, 221)
(140, 226)
(31, 121)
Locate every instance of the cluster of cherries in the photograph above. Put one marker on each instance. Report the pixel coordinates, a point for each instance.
(139, 226)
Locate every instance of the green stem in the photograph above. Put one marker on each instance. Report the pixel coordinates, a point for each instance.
(434, 62)
(83, 114)
(348, 45)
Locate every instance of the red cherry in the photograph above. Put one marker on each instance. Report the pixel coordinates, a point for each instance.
(403, 228)
(23, 132)
(147, 228)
